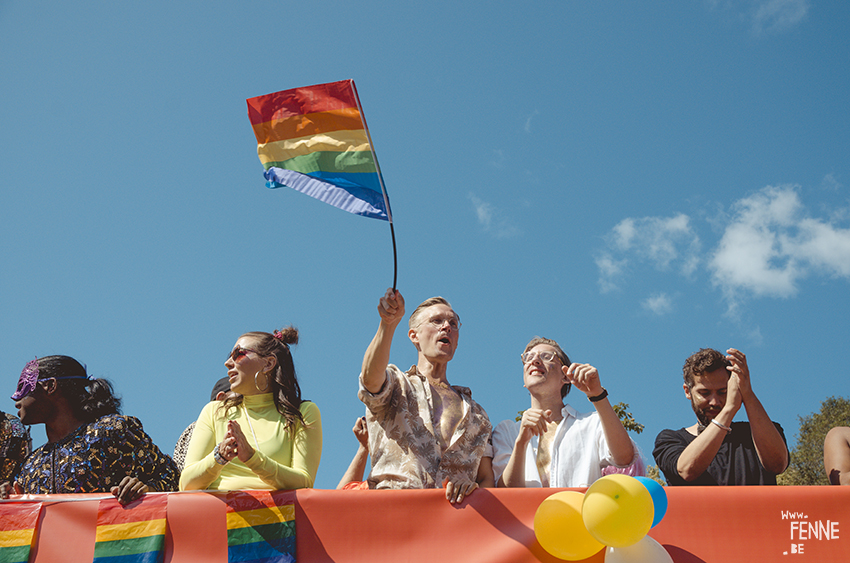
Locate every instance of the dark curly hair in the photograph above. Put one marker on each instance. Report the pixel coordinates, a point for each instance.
(89, 399)
(285, 390)
(704, 361)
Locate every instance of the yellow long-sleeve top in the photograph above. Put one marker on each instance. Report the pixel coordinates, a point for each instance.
(282, 459)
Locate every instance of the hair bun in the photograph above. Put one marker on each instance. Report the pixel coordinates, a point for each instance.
(288, 335)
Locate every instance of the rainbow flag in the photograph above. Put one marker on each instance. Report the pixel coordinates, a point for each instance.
(17, 529)
(131, 534)
(260, 527)
(315, 140)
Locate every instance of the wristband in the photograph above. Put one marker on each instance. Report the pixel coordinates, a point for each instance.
(726, 428)
(598, 397)
(219, 459)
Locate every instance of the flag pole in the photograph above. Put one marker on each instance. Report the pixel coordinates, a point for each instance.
(380, 180)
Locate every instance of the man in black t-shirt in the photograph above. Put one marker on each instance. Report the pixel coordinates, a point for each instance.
(717, 451)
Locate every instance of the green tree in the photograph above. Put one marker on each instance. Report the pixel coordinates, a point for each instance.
(629, 422)
(806, 467)
(655, 474)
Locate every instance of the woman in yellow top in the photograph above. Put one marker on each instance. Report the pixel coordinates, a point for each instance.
(262, 436)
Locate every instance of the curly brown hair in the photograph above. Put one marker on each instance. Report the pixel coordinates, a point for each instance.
(704, 361)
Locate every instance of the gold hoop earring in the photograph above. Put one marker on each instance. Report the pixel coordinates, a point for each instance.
(268, 384)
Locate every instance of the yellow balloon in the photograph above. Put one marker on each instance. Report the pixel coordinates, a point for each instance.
(617, 510)
(560, 530)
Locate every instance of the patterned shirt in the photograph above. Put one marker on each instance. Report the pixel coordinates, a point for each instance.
(15, 446)
(182, 446)
(96, 457)
(406, 452)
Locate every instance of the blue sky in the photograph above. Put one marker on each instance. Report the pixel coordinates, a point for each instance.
(635, 181)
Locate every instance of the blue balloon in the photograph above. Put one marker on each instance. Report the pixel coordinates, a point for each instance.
(659, 498)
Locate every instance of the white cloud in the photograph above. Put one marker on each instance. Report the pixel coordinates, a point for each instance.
(528, 121)
(660, 240)
(770, 245)
(765, 15)
(609, 272)
(778, 15)
(491, 220)
(659, 304)
(831, 183)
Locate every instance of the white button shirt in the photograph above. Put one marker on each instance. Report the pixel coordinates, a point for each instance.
(579, 451)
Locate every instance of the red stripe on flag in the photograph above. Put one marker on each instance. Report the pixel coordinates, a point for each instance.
(300, 101)
(149, 507)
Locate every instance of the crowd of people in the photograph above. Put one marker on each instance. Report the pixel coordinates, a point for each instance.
(420, 431)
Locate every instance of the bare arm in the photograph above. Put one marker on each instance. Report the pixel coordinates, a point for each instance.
(485, 477)
(836, 455)
(377, 357)
(358, 463)
(534, 423)
(699, 454)
(585, 378)
(770, 447)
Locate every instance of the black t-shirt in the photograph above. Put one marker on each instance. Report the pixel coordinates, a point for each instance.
(736, 462)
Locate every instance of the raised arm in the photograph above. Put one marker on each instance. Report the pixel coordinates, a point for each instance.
(770, 447)
(836, 455)
(357, 467)
(698, 455)
(585, 378)
(377, 357)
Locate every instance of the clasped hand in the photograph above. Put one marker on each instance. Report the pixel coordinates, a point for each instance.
(235, 444)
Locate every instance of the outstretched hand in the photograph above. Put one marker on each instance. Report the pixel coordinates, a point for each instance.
(128, 490)
(7, 488)
(456, 491)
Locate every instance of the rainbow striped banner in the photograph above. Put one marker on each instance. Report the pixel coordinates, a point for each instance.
(315, 140)
(17, 529)
(131, 534)
(260, 527)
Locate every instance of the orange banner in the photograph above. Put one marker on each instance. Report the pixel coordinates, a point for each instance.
(702, 525)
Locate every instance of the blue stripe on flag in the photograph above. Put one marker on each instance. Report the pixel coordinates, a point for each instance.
(147, 557)
(281, 552)
(357, 198)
